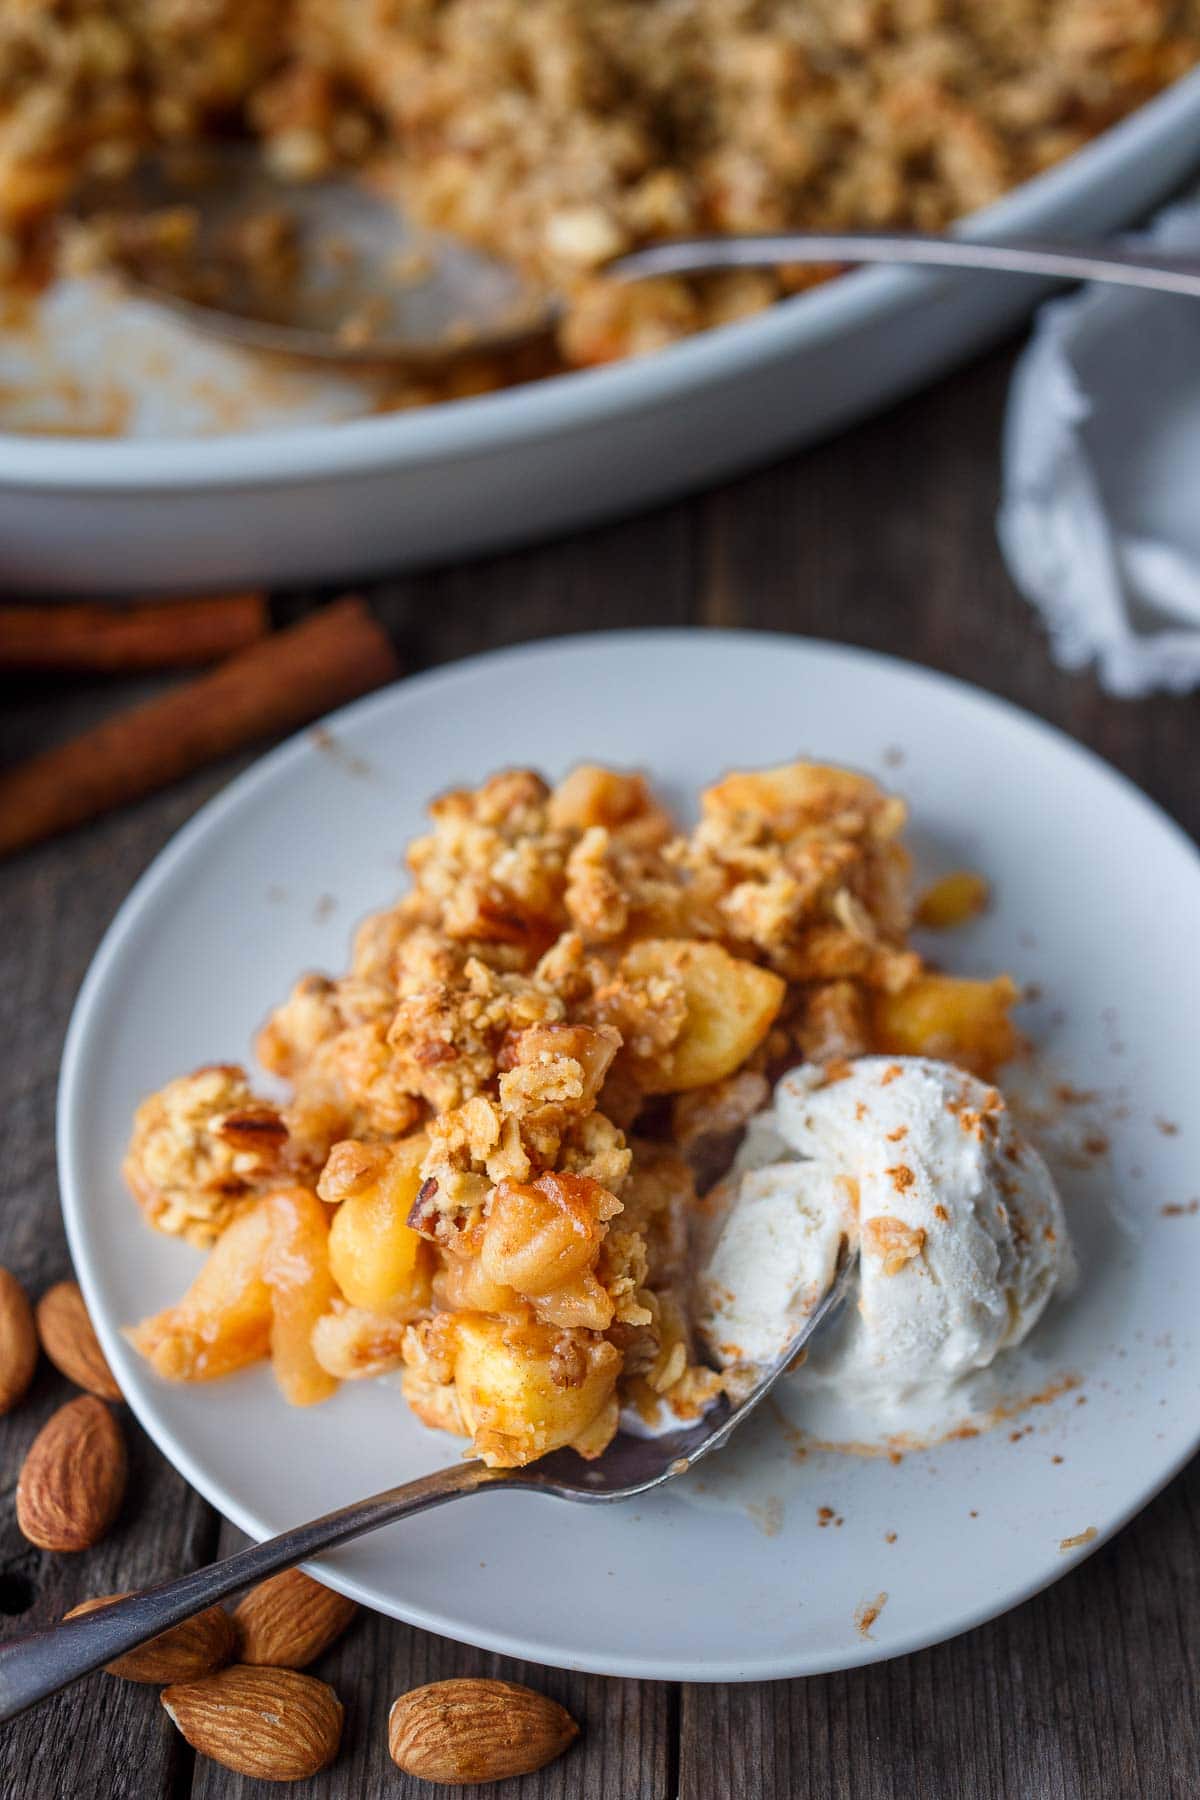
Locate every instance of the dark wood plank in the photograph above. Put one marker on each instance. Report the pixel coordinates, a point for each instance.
(54, 905)
(625, 1749)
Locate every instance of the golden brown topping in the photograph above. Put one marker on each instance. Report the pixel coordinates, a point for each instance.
(295, 1030)
(892, 1241)
(622, 804)
(202, 1147)
(563, 970)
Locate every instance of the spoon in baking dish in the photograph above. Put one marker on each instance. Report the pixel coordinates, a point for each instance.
(332, 270)
(41, 1663)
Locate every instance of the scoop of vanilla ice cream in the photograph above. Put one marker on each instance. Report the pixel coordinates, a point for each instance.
(775, 1259)
(960, 1228)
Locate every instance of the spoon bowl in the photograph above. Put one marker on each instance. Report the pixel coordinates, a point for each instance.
(333, 271)
(329, 269)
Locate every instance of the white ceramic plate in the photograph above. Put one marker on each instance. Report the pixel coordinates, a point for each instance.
(325, 501)
(1097, 900)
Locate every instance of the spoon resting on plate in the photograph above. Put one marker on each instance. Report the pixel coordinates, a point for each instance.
(43, 1662)
(331, 271)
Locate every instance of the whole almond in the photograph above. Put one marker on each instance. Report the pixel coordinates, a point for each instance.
(475, 1730)
(288, 1620)
(69, 1340)
(18, 1341)
(72, 1482)
(184, 1653)
(273, 1723)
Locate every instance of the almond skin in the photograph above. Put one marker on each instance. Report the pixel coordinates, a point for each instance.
(73, 1480)
(18, 1341)
(273, 1723)
(184, 1653)
(475, 1730)
(69, 1340)
(287, 1621)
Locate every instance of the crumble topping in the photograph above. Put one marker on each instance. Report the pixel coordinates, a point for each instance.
(499, 1111)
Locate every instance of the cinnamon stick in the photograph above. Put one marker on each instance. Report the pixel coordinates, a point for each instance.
(272, 687)
(113, 640)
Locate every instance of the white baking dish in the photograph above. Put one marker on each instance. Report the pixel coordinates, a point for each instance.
(359, 498)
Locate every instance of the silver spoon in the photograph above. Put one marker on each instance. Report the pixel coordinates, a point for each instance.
(361, 284)
(38, 1665)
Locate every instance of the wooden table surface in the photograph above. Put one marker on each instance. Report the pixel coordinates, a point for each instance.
(882, 537)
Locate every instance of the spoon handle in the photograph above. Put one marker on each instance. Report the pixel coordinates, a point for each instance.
(1126, 265)
(41, 1663)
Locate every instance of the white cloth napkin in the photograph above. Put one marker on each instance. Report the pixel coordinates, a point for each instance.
(1100, 519)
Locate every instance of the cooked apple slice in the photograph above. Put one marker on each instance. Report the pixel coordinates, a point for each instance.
(378, 1262)
(952, 1018)
(731, 1006)
(296, 1271)
(527, 1388)
(793, 796)
(223, 1321)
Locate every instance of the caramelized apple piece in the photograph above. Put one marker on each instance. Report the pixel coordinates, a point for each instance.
(952, 901)
(526, 1388)
(793, 796)
(462, 1284)
(296, 1270)
(541, 1233)
(378, 1262)
(351, 1343)
(542, 1239)
(581, 1303)
(952, 1018)
(623, 804)
(731, 1006)
(223, 1321)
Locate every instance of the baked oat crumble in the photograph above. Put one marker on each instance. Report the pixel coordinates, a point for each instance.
(486, 1173)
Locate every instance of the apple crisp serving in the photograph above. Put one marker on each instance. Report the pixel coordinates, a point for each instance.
(558, 133)
(499, 1116)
